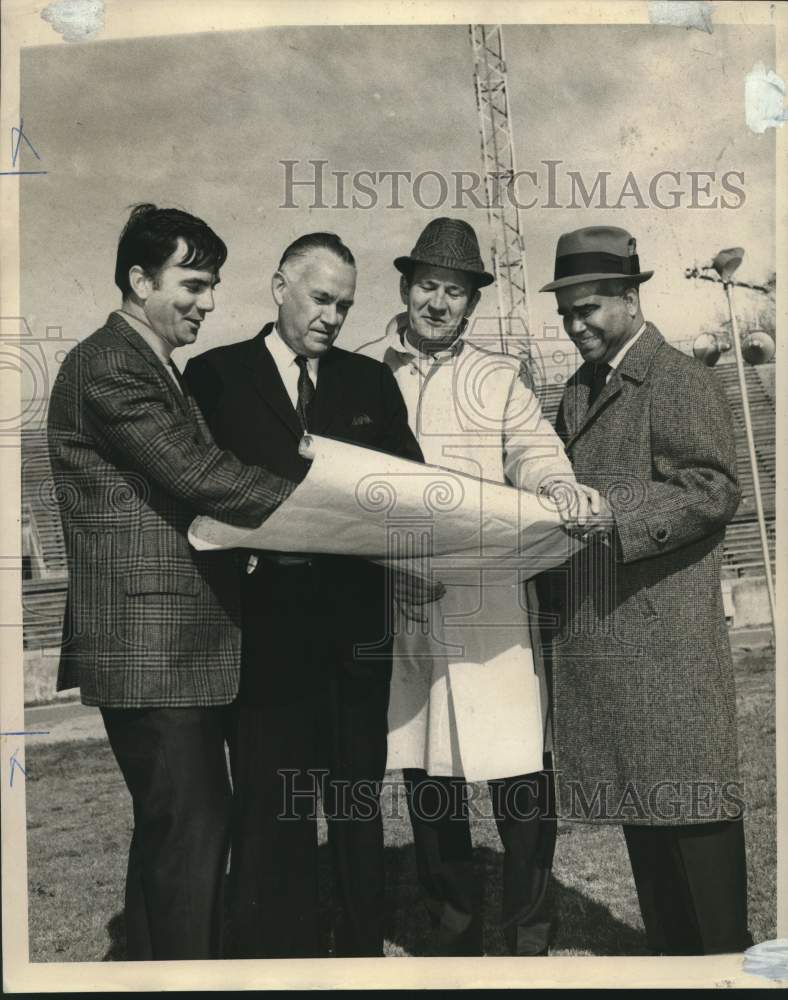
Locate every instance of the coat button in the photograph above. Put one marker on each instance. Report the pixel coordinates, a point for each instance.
(661, 534)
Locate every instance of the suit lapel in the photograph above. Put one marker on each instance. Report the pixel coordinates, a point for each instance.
(199, 419)
(585, 414)
(634, 365)
(269, 385)
(118, 325)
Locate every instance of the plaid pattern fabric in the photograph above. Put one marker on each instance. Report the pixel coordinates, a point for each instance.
(149, 621)
(643, 678)
(449, 240)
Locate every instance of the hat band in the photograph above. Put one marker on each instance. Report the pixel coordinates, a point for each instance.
(571, 265)
(452, 263)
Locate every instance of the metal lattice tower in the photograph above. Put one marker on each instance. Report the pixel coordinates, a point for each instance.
(498, 167)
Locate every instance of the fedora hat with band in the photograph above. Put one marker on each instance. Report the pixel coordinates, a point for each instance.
(447, 243)
(593, 254)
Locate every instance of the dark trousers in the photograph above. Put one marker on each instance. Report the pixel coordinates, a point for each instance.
(173, 762)
(523, 808)
(311, 729)
(692, 886)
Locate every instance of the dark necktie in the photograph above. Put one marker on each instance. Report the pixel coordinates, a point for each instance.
(178, 377)
(306, 393)
(599, 374)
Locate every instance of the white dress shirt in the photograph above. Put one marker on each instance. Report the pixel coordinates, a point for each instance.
(616, 361)
(285, 360)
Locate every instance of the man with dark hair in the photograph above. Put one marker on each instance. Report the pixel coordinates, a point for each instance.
(644, 700)
(151, 633)
(316, 633)
(150, 237)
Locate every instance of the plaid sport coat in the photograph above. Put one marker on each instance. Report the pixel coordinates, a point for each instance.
(644, 707)
(149, 621)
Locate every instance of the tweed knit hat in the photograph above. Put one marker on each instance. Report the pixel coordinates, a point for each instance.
(447, 243)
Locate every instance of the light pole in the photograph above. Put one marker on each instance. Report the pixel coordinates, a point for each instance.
(725, 264)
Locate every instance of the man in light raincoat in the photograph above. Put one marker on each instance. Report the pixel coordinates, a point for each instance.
(467, 703)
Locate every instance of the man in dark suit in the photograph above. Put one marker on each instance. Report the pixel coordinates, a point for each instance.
(152, 628)
(316, 665)
(644, 702)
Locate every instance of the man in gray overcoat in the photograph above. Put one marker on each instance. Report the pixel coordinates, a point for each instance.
(644, 702)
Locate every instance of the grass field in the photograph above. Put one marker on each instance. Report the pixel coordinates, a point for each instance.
(79, 826)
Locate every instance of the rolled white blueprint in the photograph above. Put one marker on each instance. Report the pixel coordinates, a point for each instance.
(361, 502)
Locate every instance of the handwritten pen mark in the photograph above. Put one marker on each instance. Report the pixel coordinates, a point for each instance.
(14, 765)
(14, 762)
(27, 732)
(17, 135)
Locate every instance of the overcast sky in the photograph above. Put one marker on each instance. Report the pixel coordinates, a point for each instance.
(202, 122)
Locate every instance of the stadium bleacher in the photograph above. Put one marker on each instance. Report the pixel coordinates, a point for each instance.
(37, 498)
(763, 429)
(43, 604)
(43, 595)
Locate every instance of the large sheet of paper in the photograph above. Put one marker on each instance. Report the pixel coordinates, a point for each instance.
(361, 502)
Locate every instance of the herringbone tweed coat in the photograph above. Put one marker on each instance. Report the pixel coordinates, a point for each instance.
(644, 703)
(149, 621)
